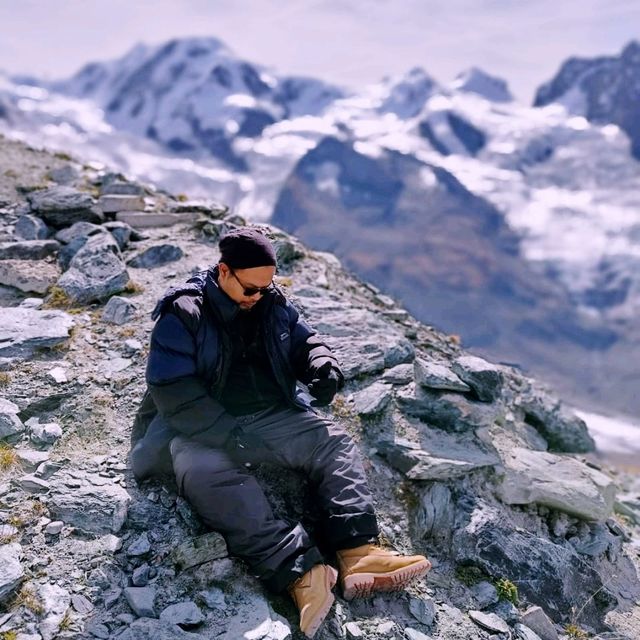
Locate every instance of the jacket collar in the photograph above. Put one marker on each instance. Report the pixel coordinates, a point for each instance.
(223, 306)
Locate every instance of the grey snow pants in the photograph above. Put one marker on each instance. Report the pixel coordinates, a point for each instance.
(229, 499)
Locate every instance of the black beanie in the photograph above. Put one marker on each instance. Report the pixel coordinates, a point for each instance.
(246, 248)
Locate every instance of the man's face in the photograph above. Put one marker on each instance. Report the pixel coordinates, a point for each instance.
(236, 283)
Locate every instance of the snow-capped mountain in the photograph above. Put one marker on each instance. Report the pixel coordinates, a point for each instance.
(604, 90)
(515, 227)
(478, 81)
(194, 96)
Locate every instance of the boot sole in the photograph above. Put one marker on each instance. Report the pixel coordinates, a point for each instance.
(362, 585)
(317, 621)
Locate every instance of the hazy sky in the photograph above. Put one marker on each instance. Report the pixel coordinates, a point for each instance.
(350, 42)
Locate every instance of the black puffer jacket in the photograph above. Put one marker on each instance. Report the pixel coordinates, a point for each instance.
(189, 360)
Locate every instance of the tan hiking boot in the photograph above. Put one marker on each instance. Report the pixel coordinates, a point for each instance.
(313, 597)
(370, 568)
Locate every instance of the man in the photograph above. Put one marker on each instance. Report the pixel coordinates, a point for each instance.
(226, 353)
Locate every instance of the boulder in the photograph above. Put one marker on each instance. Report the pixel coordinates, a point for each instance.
(121, 231)
(195, 551)
(96, 272)
(77, 230)
(62, 206)
(558, 482)
(552, 576)
(28, 249)
(113, 203)
(560, 427)
(372, 399)
(30, 276)
(448, 411)
(141, 600)
(55, 602)
(119, 310)
(10, 425)
(435, 375)
(484, 378)
(30, 227)
(23, 330)
(88, 501)
(418, 464)
(156, 256)
(11, 572)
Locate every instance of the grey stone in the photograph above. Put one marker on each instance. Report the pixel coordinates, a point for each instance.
(47, 469)
(417, 464)
(98, 630)
(489, 621)
(120, 202)
(111, 596)
(30, 227)
(140, 577)
(524, 633)
(141, 600)
(54, 528)
(11, 426)
(435, 513)
(55, 601)
(372, 399)
(32, 303)
(150, 629)
(11, 572)
(537, 620)
(184, 614)
(423, 610)
(400, 374)
(560, 427)
(119, 310)
(142, 220)
(95, 505)
(44, 435)
(448, 411)
(33, 484)
(484, 378)
(62, 206)
(156, 256)
(28, 249)
(437, 376)
(121, 231)
(549, 575)
(287, 249)
(213, 598)
(132, 346)
(485, 594)
(78, 230)
(29, 276)
(119, 188)
(58, 375)
(507, 611)
(414, 634)
(24, 331)
(195, 551)
(353, 630)
(65, 175)
(140, 546)
(558, 482)
(126, 618)
(30, 459)
(209, 207)
(96, 272)
(81, 604)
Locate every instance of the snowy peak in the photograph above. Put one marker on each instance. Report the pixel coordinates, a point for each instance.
(194, 95)
(476, 80)
(407, 96)
(604, 90)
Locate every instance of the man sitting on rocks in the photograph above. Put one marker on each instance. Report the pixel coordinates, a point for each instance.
(226, 353)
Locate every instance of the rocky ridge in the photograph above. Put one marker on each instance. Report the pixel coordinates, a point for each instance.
(477, 466)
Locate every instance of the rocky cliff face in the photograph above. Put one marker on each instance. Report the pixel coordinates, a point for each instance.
(472, 463)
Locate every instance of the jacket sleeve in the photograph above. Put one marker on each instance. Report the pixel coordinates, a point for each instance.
(308, 352)
(176, 388)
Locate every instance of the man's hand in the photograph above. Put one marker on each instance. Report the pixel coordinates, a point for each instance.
(324, 385)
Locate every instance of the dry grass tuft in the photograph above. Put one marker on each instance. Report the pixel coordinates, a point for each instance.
(8, 457)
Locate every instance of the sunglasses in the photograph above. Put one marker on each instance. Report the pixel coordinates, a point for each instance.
(251, 291)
